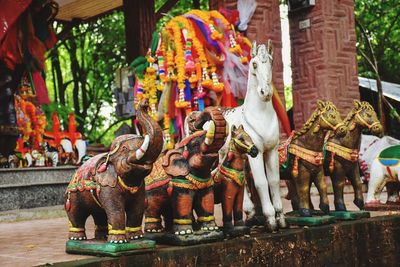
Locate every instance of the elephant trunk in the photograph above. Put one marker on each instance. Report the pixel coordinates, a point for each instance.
(153, 141)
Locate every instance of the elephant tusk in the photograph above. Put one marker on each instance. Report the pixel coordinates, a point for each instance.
(210, 134)
(143, 148)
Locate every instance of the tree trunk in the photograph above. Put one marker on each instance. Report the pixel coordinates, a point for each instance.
(381, 112)
(55, 61)
(75, 70)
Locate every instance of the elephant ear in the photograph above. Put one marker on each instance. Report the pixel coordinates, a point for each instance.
(174, 163)
(107, 177)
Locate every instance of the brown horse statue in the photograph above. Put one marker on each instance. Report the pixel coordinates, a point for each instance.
(341, 158)
(229, 180)
(304, 162)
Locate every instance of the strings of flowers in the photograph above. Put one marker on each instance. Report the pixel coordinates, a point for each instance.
(197, 60)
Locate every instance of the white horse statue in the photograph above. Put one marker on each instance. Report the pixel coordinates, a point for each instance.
(260, 121)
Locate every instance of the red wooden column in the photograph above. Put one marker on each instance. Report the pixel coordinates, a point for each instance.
(324, 62)
(265, 24)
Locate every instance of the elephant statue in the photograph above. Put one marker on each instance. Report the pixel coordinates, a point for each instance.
(158, 202)
(229, 180)
(385, 169)
(110, 186)
(189, 167)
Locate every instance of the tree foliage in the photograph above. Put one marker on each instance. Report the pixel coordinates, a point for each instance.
(81, 72)
(378, 23)
(81, 68)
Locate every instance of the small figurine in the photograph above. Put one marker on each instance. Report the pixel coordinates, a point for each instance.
(370, 148)
(384, 169)
(230, 177)
(4, 162)
(189, 166)
(39, 158)
(13, 161)
(304, 161)
(341, 158)
(110, 186)
(51, 154)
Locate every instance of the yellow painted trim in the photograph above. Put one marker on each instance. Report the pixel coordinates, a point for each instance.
(206, 218)
(183, 221)
(151, 220)
(131, 189)
(115, 232)
(76, 230)
(71, 228)
(133, 229)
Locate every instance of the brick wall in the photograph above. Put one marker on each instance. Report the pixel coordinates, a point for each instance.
(324, 58)
(265, 24)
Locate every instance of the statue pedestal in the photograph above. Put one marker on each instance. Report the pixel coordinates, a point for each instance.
(193, 239)
(102, 248)
(293, 218)
(388, 206)
(350, 215)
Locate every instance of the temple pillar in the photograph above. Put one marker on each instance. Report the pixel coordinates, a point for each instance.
(324, 64)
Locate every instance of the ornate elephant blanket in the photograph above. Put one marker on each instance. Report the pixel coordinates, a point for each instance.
(83, 177)
(390, 156)
(157, 177)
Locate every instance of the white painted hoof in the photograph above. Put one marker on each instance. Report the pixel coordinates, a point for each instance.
(183, 232)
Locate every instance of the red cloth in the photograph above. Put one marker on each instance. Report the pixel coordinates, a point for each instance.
(9, 12)
(40, 88)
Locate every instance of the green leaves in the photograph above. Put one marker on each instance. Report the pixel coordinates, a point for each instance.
(381, 21)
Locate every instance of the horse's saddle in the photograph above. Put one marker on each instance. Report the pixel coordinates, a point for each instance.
(283, 150)
(390, 156)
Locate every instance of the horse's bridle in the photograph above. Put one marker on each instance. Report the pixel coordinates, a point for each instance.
(366, 124)
(333, 127)
(237, 142)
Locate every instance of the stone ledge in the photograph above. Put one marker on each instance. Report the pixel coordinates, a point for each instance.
(367, 242)
(33, 187)
(35, 176)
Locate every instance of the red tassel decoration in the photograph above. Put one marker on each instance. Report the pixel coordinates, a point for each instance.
(185, 154)
(332, 163)
(169, 190)
(67, 205)
(295, 170)
(102, 168)
(230, 156)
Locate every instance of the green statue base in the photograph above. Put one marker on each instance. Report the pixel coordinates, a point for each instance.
(350, 215)
(101, 248)
(293, 218)
(193, 239)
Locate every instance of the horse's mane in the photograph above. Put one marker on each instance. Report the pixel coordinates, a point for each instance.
(329, 106)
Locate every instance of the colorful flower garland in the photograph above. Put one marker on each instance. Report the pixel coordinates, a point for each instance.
(185, 62)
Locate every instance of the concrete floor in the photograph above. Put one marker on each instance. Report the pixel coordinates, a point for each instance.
(41, 239)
